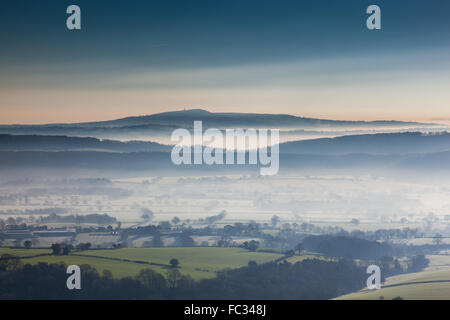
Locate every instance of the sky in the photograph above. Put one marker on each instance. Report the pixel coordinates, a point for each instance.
(306, 58)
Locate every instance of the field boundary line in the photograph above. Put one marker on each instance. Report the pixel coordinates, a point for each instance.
(413, 282)
(122, 260)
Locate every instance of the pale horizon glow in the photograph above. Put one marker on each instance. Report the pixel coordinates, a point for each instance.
(308, 59)
(338, 89)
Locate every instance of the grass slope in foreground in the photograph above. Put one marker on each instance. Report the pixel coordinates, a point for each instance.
(431, 284)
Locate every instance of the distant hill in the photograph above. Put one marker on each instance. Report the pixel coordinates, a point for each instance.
(371, 144)
(75, 130)
(63, 143)
(382, 143)
(162, 124)
(349, 149)
(368, 153)
(185, 118)
(160, 162)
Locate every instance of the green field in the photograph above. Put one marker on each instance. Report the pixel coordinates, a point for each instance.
(432, 283)
(119, 269)
(24, 252)
(198, 262)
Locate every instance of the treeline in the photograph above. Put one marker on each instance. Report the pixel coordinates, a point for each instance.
(286, 238)
(353, 248)
(38, 211)
(19, 223)
(89, 218)
(356, 248)
(384, 234)
(309, 279)
(409, 250)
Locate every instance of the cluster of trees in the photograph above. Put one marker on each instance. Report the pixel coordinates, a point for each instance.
(19, 224)
(341, 246)
(214, 219)
(27, 244)
(408, 250)
(13, 224)
(309, 279)
(141, 230)
(418, 263)
(251, 229)
(9, 263)
(251, 245)
(33, 227)
(384, 234)
(61, 249)
(389, 266)
(156, 241)
(185, 239)
(147, 214)
(287, 237)
(380, 234)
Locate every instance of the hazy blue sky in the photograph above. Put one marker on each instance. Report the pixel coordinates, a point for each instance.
(311, 58)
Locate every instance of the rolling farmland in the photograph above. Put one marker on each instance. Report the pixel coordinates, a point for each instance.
(198, 262)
